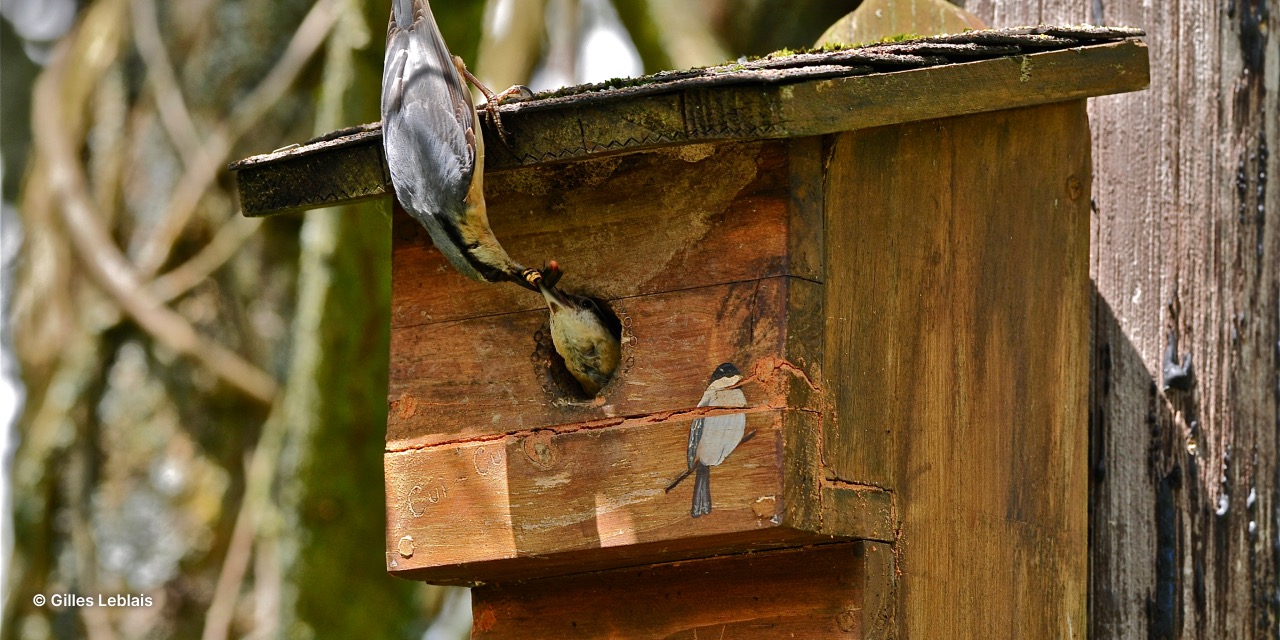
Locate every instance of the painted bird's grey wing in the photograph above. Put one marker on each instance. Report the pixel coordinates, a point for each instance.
(428, 121)
(695, 435)
(720, 436)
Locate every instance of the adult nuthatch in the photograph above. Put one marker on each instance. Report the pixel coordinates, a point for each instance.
(591, 352)
(435, 151)
(713, 438)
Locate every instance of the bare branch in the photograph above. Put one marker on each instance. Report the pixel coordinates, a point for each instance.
(169, 101)
(306, 41)
(210, 160)
(104, 262)
(224, 245)
(261, 470)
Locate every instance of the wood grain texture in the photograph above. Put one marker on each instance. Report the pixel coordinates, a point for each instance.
(839, 594)
(957, 298)
(807, 202)
(911, 301)
(1185, 236)
(691, 249)
(546, 503)
(619, 227)
(474, 378)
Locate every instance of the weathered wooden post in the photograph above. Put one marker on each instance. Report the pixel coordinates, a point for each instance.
(891, 242)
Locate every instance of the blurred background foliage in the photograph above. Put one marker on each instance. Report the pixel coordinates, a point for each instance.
(205, 394)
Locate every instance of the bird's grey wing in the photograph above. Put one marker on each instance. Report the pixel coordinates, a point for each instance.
(720, 436)
(428, 121)
(695, 435)
(695, 430)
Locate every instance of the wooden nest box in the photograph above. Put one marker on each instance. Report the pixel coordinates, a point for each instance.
(891, 244)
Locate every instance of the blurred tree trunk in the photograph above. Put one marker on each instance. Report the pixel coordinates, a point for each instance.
(511, 42)
(758, 27)
(1185, 522)
(336, 402)
(334, 575)
(142, 467)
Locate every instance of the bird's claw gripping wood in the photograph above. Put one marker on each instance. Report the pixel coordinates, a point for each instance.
(515, 93)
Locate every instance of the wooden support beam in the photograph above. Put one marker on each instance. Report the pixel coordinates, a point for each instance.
(841, 593)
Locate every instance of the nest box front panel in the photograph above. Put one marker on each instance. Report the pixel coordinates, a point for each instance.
(620, 226)
(687, 249)
(498, 468)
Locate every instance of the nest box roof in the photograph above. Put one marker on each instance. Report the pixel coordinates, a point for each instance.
(779, 96)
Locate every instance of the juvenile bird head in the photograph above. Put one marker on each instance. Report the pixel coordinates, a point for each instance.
(590, 350)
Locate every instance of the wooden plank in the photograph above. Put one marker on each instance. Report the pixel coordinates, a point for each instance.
(753, 111)
(619, 227)
(565, 501)
(473, 378)
(805, 245)
(957, 299)
(1185, 517)
(829, 591)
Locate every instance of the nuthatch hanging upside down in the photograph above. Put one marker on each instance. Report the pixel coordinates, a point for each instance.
(435, 150)
(713, 438)
(591, 352)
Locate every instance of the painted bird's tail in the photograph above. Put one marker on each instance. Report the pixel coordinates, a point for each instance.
(701, 491)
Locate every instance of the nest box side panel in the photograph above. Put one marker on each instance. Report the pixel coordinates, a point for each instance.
(831, 591)
(957, 298)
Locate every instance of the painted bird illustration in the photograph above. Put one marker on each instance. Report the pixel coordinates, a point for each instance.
(590, 350)
(713, 438)
(435, 148)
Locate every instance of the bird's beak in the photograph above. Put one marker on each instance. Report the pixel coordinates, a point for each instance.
(554, 297)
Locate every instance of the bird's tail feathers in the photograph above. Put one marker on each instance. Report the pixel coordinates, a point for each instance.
(402, 13)
(701, 491)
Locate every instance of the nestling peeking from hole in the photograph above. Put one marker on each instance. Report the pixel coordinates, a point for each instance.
(584, 333)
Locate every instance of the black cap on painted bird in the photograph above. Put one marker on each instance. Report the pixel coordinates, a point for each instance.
(434, 146)
(590, 350)
(713, 438)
